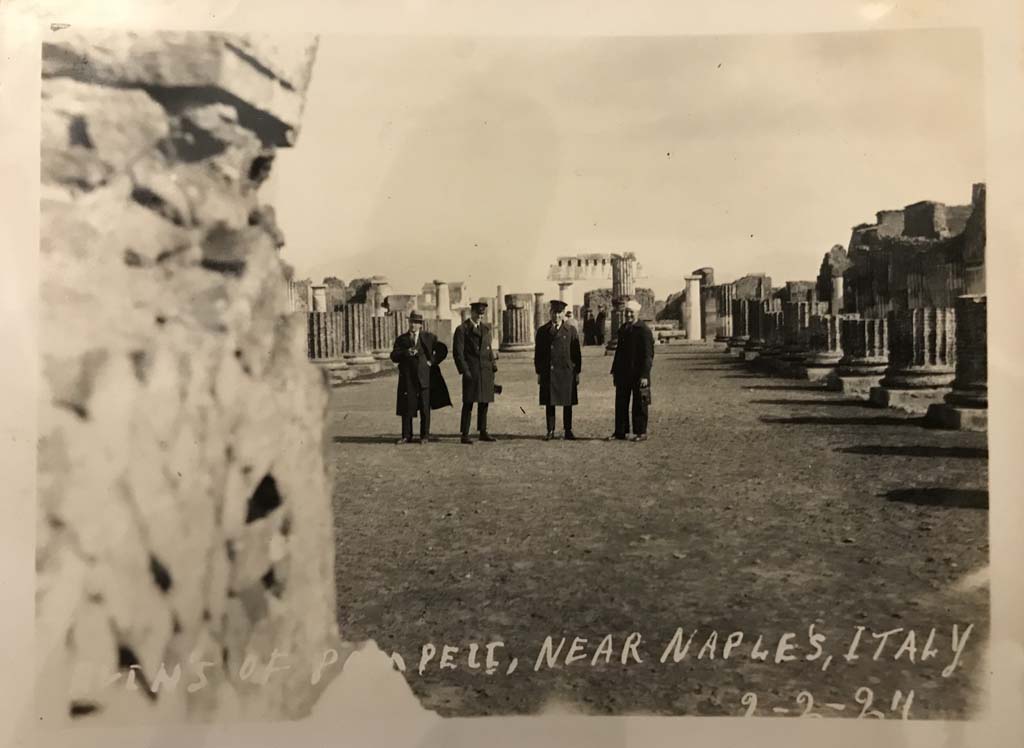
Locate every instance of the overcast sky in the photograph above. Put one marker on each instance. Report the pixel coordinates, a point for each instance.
(482, 159)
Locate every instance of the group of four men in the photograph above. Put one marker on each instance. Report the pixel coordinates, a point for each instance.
(557, 360)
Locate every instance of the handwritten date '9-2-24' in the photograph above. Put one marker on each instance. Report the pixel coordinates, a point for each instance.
(864, 698)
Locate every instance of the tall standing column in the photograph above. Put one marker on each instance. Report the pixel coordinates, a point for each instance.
(755, 344)
(836, 303)
(796, 324)
(693, 316)
(922, 359)
(741, 309)
(966, 407)
(517, 323)
(726, 294)
(442, 301)
(357, 334)
(623, 289)
(540, 313)
(565, 293)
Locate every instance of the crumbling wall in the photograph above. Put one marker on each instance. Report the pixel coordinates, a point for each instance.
(183, 514)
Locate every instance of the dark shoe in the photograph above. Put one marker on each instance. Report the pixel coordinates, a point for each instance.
(640, 438)
(616, 437)
(485, 437)
(569, 436)
(404, 440)
(549, 436)
(466, 440)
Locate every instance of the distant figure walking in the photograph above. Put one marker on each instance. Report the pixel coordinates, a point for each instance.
(589, 338)
(599, 325)
(631, 373)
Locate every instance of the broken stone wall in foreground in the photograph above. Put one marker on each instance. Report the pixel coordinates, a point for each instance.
(184, 517)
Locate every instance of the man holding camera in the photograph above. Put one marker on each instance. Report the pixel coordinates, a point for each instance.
(558, 361)
(421, 386)
(476, 361)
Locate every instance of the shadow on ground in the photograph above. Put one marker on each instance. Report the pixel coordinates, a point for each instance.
(972, 453)
(953, 498)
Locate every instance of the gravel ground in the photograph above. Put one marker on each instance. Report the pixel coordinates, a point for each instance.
(760, 505)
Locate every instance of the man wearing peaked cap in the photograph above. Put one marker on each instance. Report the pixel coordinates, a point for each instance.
(475, 359)
(558, 362)
(631, 373)
(421, 387)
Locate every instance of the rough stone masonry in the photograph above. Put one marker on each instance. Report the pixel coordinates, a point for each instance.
(183, 515)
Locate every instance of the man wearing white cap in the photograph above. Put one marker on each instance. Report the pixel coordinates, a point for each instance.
(631, 373)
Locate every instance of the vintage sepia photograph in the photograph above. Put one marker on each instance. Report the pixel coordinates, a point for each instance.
(601, 375)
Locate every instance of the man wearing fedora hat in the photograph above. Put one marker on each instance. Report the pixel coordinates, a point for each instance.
(476, 361)
(421, 386)
(631, 373)
(558, 361)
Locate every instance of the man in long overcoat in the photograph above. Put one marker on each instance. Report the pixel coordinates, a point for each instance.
(631, 373)
(558, 361)
(421, 386)
(599, 324)
(476, 361)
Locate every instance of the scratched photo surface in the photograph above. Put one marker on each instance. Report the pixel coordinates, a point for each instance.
(611, 375)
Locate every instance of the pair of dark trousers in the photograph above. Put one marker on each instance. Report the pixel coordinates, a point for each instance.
(623, 394)
(417, 399)
(467, 417)
(549, 413)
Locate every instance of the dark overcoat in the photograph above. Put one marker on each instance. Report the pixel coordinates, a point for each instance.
(473, 351)
(634, 355)
(558, 362)
(415, 373)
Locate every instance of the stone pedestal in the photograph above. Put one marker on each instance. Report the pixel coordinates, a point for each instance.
(922, 359)
(356, 334)
(865, 344)
(693, 313)
(726, 295)
(517, 328)
(966, 407)
(741, 311)
(825, 347)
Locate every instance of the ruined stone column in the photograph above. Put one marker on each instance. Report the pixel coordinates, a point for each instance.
(825, 344)
(796, 323)
(381, 289)
(381, 337)
(357, 345)
(517, 323)
(540, 310)
(693, 315)
(443, 303)
(922, 359)
(774, 325)
(741, 311)
(623, 289)
(836, 303)
(865, 344)
(726, 294)
(755, 322)
(966, 407)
